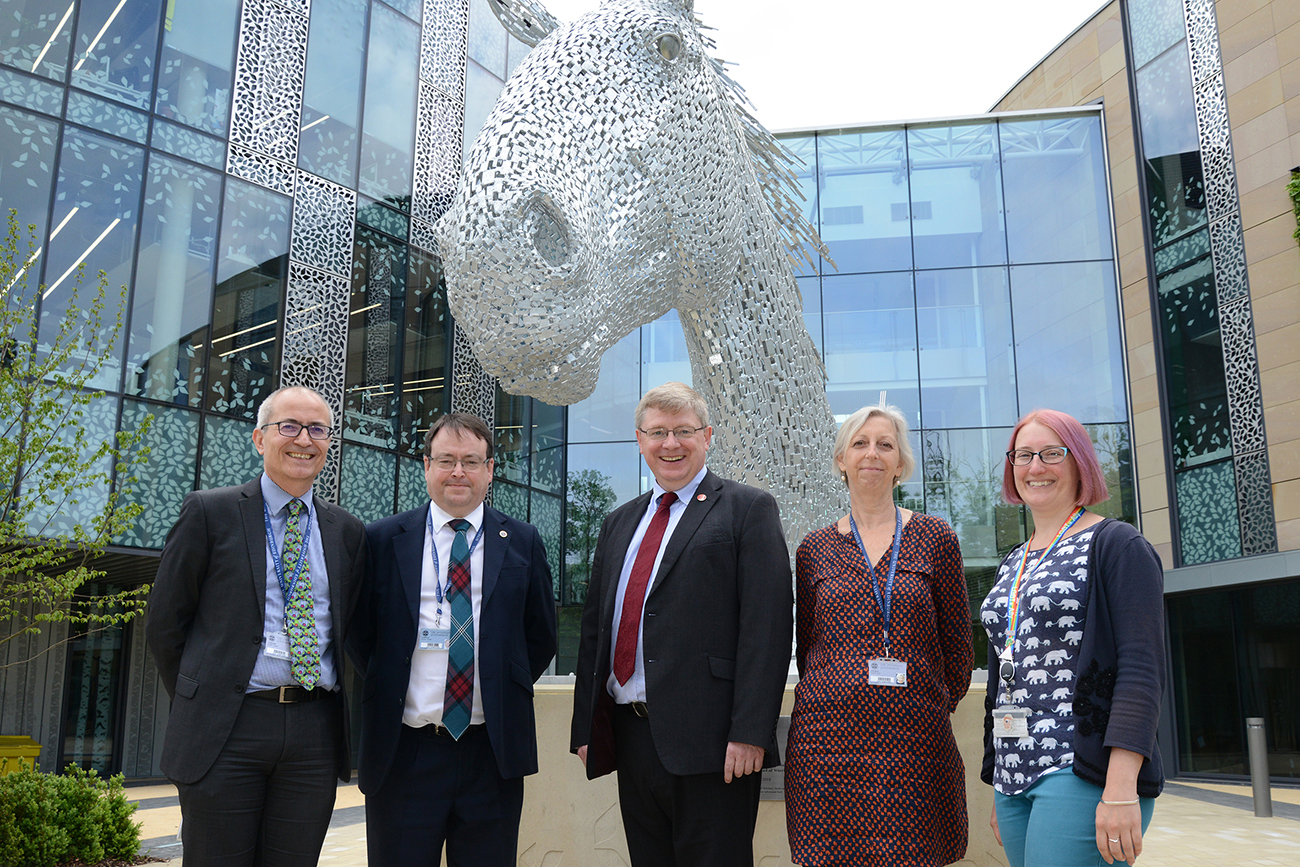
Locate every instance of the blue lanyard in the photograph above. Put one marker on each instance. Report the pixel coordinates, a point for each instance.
(893, 568)
(287, 592)
(437, 585)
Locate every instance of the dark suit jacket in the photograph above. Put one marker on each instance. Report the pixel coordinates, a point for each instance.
(716, 632)
(206, 612)
(515, 634)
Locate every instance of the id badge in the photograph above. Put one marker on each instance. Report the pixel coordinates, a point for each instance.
(1010, 722)
(887, 672)
(435, 639)
(277, 646)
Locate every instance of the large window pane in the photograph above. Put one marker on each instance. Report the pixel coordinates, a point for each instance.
(38, 35)
(331, 102)
(664, 356)
(544, 514)
(606, 415)
(1155, 25)
(388, 139)
(26, 174)
(1068, 353)
(956, 185)
(968, 376)
(870, 328)
(198, 56)
(804, 149)
(811, 290)
(1054, 179)
(481, 91)
(1208, 527)
(1206, 686)
(1170, 144)
(378, 299)
(254, 254)
(547, 433)
(96, 208)
(864, 200)
(368, 479)
(168, 473)
(511, 438)
(1195, 381)
(424, 355)
(173, 286)
(229, 457)
(487, 38)
(116, 43)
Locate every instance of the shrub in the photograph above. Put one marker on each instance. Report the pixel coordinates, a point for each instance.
(46, 819)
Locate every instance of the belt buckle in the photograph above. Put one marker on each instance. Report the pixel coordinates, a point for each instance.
(281, 698)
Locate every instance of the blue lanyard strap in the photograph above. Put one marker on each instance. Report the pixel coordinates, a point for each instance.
(883, 602)
(286, 592)
(437, 585)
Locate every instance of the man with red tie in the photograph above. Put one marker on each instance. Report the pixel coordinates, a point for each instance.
(457, 624)
(685, 646)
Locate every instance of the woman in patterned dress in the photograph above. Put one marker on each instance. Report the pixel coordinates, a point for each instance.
(1076, 663)
(873, 776)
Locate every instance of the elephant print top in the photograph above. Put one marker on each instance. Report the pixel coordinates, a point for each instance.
(1046, 657)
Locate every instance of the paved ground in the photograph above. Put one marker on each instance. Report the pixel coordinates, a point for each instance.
(1195, 825)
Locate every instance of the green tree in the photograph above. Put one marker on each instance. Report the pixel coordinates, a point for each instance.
(59, 506)
(590, 499)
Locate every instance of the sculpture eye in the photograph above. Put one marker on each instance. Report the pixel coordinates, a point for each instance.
(669, 45)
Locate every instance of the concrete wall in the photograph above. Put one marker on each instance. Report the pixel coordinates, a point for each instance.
(570, 820)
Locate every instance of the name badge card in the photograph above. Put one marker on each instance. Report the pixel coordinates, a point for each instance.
(887, 672)
(277, 645)
(1010, 722)
(435, 639)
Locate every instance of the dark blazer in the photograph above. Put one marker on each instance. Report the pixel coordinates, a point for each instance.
(206, 613)
(515, 634)
(716, 633)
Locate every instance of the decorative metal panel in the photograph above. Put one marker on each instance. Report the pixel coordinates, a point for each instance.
(1216, 149)
(1245, 401)
(472, 389)
(315, 347)
(422, 236)
(438, 143)
(324, 222)
(261, 170)
(443, 44)
(1228, 250)
(1255, 505)
(270, 68)
(1202, 39)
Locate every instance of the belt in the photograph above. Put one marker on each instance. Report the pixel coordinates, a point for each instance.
(441, 731)
(637, 707)
(289, 694)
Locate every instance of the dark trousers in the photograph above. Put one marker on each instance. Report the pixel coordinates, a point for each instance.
(680, 821)
(443, 791)
(268, 798)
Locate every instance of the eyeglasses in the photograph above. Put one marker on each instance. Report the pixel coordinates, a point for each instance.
(291, 429)
(659, 434)
(469, 465)
(1024, 457)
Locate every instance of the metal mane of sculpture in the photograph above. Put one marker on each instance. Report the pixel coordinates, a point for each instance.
(620, 176)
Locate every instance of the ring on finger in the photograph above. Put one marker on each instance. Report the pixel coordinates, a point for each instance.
(1113, 839)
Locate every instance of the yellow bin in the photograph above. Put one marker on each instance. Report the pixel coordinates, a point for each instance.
(17, 752)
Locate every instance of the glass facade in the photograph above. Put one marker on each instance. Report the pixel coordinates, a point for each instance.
(973, 280)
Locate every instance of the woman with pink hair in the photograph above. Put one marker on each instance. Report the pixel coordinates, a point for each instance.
(1076, 663)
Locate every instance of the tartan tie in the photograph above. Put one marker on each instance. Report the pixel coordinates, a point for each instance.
(299, 616)
(459, 700)
(629, 622)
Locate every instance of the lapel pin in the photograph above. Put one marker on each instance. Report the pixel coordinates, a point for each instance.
(504, 534)
(701, 497)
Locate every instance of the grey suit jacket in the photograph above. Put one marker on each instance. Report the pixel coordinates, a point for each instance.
(716, 633)
(205, 617)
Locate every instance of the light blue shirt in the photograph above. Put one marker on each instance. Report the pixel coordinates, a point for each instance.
(269, 673)
(634, 689)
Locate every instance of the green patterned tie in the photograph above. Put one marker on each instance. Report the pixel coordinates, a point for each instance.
(299, 616)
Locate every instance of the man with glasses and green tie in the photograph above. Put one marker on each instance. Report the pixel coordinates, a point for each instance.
(684, 648)
(246, 621)
(456, 624)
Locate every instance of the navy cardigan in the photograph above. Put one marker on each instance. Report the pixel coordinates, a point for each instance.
(1121, 671)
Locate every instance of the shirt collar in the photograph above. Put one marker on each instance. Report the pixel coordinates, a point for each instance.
(440, 518)
(277, 497)
(685, 493)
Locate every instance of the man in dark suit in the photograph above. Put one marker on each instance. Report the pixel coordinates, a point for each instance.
(685, 647)
(246, 621)
(457, 624)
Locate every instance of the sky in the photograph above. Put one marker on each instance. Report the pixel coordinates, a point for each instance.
(846, 62)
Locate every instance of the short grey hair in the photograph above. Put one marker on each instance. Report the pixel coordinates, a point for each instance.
(854, 423)
(268, 404)
(673, 398)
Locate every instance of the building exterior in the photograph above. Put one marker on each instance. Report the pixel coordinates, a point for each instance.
(263, 176)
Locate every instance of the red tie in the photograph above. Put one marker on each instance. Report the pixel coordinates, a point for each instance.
(629, 623)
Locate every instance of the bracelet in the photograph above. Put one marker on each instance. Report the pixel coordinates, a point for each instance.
(1121, 803)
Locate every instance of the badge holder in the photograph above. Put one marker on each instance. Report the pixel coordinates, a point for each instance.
(1009, 721)
(887, 671)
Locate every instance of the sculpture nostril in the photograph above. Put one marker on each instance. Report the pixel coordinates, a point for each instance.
(549, 236)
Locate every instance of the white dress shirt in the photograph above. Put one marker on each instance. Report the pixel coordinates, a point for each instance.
(428, 684)
(634, 689)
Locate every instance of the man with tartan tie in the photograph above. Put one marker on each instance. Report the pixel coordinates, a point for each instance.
(456, 624)
(246, 622)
